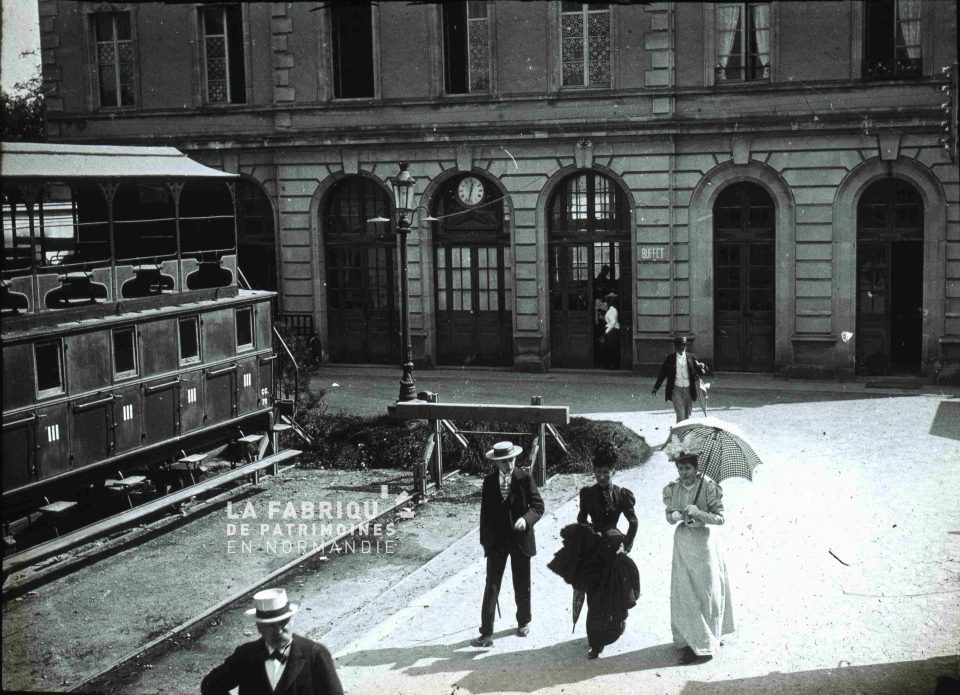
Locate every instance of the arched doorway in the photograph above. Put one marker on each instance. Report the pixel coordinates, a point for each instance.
(589, 246)
(744, 279)
(474, 279)
(362, 315)
(889, 279)
(256, 237)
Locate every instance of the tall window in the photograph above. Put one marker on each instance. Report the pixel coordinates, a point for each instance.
(114, 45)
(892, 39)
(743, 42)
(352, 33)
(466, 47)
(223, 54)
(585, 44)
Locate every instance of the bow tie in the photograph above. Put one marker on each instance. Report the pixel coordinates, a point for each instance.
(279, 656)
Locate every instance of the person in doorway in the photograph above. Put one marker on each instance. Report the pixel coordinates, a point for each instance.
(701, 610)
(681, 370)
(611, 331)
(510, 505)
(278, 662)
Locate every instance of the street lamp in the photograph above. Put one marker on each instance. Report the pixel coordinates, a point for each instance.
(403, 195)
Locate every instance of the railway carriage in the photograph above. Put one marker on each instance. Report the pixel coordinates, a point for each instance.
(127, 340)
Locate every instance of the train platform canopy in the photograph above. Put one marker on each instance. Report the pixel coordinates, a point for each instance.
(46, 160)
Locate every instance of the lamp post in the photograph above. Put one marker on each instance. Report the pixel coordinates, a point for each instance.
(403, 185)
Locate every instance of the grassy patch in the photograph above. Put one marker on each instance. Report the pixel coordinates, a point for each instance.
(350, 442)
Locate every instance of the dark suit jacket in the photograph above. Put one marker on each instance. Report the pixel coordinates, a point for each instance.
(309, 671)
(523, 500)
(602, 517)
(669, 372)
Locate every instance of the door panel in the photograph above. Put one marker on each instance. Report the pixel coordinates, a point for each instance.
(363, 315)
(127, 412)
(247, 386)
(219, 395)
(92, 437)
(191, 400)
(906, 304)
(571, 308)
(19, 456)
(160, 410)
(53, 439)
(473, 325)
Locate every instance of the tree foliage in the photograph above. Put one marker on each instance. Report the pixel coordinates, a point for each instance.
(23, 112)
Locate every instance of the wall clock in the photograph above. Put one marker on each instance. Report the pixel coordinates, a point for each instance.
(470, 191)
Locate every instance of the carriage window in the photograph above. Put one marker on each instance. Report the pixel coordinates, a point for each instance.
(49, 360)
(189, 340)
(244, 328)
(124, 352)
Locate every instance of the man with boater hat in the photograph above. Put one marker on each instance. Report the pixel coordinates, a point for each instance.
(510, 505)
(278, 662)
(681, 370)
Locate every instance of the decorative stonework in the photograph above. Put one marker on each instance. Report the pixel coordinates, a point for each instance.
(659, 44)
(281, 27)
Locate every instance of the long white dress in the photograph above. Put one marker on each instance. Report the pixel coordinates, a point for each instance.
(701, 610)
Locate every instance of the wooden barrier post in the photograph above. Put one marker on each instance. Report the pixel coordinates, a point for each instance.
(438, 448)
(540, 465)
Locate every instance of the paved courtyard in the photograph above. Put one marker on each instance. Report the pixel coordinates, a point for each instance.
(843, 554)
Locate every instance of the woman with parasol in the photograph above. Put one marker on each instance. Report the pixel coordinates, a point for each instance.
(700, 605)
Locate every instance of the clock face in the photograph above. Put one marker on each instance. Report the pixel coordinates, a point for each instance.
(470, 191)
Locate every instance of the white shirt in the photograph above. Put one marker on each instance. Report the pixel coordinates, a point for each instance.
(683, 374)
(613, 319)
(275, 669)
(505, 484)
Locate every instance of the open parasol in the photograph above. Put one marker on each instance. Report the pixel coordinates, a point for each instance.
(724, 450)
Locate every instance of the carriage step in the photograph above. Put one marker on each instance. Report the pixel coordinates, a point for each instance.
(57, 508)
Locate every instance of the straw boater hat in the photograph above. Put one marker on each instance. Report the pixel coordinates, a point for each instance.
(272, 606)
(504, 450)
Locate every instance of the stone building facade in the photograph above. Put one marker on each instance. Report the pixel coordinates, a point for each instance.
(774, 180)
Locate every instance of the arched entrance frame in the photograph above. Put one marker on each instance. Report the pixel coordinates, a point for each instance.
(318, 254)
(701, 254)
(271, 200)
(543, 251)
(428, 262)
(845, 251)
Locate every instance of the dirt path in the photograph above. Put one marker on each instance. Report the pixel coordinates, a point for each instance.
(342, 597)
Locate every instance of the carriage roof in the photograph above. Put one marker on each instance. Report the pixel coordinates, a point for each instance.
(58, 161)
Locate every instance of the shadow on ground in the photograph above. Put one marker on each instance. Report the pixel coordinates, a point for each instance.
(946, 423)
(898, 678)
(515, 670)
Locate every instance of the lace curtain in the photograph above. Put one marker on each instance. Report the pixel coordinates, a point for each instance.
(761, 30)
(728, 24)
(908, 16)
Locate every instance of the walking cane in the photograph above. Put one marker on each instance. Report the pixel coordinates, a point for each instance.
(498, 610)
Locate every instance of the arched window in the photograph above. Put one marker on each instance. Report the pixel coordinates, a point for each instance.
(362, 315)
(744, 272)
(256, 237)
(889, 279)
(474, 278)
(589, 246)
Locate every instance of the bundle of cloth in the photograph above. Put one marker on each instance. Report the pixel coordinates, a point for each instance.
(593, 565)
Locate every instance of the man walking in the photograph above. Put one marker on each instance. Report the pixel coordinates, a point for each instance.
(510, 505)
(278, 662)
(681, 370)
